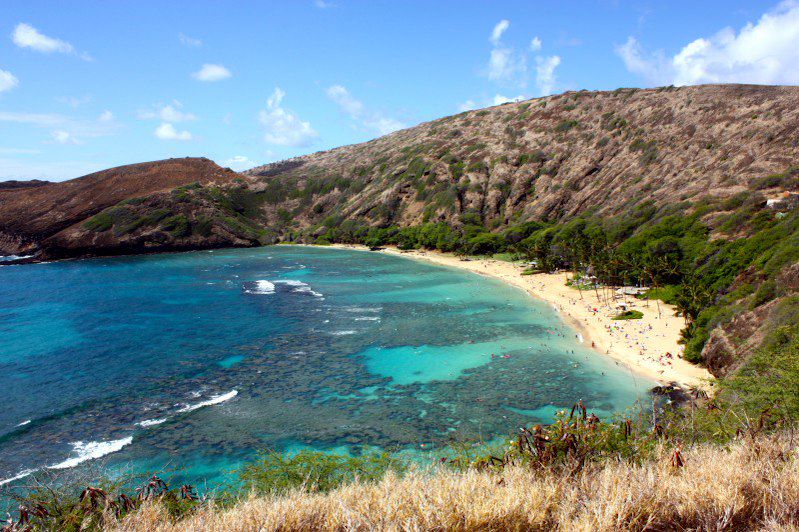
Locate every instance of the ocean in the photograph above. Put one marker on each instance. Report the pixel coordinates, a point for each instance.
(192, 363)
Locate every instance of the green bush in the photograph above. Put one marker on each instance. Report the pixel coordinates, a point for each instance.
(629, 315)
(99, 222)
(275, 472)
(486, 244)
(178, 225)
(770, 379)
(566, 125)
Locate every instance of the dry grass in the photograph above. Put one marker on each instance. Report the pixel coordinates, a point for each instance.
(752, 484)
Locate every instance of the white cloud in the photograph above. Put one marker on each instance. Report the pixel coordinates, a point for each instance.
(468, 105)
(505, 64)
(167, 113)
(499, 29)
(341, 96)
(371, 120)
(210, 72)
(383, 125)
(500, 99)
(238, 163)
(654, 68)
(191, 42)
(7, 81)
(322, 4)
(76, 129)
(64, 137)
(508, 66)
(545, 78)
(283, 127)
(167, 131)
(765, 52)
(68, 131)
(26, 36)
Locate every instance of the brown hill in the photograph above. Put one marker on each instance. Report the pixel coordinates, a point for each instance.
(22, 184)
(550, 158)
(31, 215)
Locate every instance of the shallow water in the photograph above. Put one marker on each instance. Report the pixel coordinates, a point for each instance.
(199, 360)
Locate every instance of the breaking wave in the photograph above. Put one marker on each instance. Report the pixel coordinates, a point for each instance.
(86, 451)
(151, 422)
(264, 287)
(21, 474)
(300, 287)
(214, 400)
(261, 288)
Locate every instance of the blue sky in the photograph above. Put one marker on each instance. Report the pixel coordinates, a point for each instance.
(85, 85)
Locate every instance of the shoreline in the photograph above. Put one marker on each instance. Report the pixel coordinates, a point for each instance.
(641, 345)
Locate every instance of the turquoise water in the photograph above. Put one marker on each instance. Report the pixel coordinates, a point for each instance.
(196, 361)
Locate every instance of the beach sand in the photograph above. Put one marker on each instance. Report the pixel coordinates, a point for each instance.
(641, 345)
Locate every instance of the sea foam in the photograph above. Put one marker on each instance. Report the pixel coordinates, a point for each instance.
(214, 400)
(261, 288)
(151, 422)
(86, 451)
(300, 287)
(8, 258)
(22, 474)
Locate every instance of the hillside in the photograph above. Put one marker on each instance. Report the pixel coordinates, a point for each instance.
(44, 216)
(550, 158)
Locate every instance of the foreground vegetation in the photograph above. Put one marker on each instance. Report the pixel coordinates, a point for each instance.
(750, 486)
(702, 467)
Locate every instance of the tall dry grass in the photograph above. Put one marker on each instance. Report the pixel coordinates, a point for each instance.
(752, 484)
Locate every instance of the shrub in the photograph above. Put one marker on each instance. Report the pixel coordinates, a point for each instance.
(629, 315)
(566, 125)
(275, 472)
(177, 225)
(486, 244)
(99, 222)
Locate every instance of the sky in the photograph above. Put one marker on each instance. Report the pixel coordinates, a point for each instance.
(87, 85)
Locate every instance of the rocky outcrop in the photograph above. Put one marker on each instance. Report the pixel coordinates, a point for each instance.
(731, 343)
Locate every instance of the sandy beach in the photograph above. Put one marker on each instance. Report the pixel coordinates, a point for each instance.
(648, 346)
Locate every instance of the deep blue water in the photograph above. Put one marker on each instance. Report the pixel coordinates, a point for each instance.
(199, 360)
